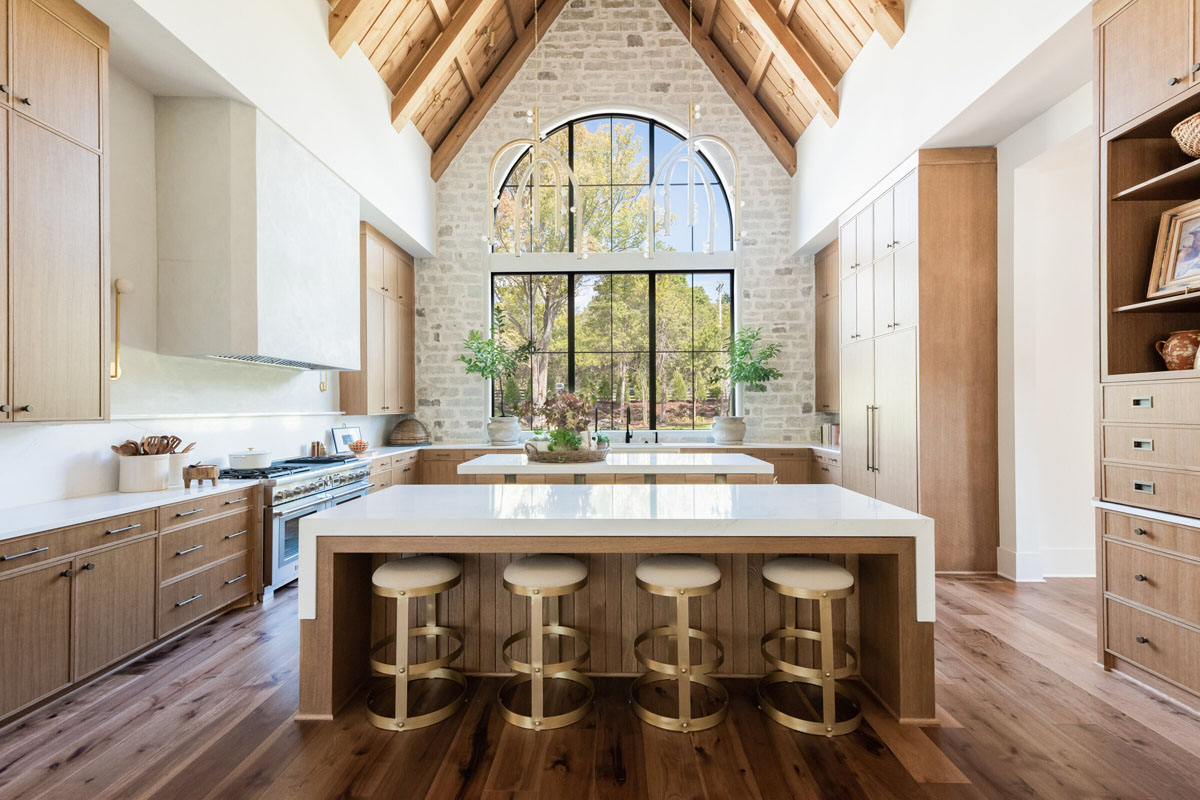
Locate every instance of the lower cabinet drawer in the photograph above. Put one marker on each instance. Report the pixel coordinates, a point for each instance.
(186, 549)
(1148, 444)
(1161, 646)
(22, 552)
(1164, 583)
(1152, 533)
(1159, 489)
(190, 599)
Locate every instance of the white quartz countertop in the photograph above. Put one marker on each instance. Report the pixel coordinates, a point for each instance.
(617, 446)
(23, 520)
(685, 511)
(623, 463)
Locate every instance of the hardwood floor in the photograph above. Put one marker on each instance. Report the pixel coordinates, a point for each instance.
(1025, 712)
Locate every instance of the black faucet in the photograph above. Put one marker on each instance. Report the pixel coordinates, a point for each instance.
(628, 419)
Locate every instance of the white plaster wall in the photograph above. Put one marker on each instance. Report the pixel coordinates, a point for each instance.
(617, 55)
(1045, 358)
(893, 101)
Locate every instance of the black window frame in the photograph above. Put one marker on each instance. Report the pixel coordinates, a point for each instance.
(571, 280)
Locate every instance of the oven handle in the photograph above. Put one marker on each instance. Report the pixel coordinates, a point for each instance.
(324, 499)
(357, 490)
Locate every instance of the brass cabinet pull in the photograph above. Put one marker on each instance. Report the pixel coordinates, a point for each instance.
(234, 535)
(191, 599)
(1143, 444)
(189, 550)
(122, 530)
(26, 553)
(239, 500)
(189, 513)
(235, 580)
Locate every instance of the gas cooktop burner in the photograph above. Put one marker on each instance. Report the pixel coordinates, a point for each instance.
(273, 471)
(320, 460)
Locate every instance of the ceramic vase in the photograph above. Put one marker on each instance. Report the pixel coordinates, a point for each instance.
(1178, 350)
(729, 430)
(504, 430)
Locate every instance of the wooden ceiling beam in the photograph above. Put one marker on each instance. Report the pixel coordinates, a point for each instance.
(741, 95)
(463, 60)
(710, 17)
(350, 20)
(490, 92)
(793, 57)
(759, 69)
(514, 16)
(446, 48)
(786, 8)
(887, 18)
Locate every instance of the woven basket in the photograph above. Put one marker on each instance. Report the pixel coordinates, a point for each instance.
(537, 456)
(408, 432)
(1187, 135)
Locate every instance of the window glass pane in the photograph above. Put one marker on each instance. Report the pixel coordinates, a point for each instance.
(505, 221)
(597, 219)
(593, 151)
(511, 300)
(724, 238)
(673, 312)
(631, 387)
(549, 377)
(631, 206)
(594, 375)
(631, 151)
(711, 310)
(631, 312)
(593, 314)
(553, 221)
(675, 390)
(711, 392)
(664, 141)
(518, 171)
(678, 237)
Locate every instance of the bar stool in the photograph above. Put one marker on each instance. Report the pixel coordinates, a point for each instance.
(681, 577)
(547, 577)
(404, 580)
(810, 579)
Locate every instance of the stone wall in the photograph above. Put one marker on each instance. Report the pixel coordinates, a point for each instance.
(614, 55)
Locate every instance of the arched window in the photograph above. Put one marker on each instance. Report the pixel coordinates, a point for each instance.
(613, 157)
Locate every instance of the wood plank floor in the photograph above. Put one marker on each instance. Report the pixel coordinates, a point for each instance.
(1025, 712)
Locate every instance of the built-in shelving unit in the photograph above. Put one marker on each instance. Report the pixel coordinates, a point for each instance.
(1181, 183)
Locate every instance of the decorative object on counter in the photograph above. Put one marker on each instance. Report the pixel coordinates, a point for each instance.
(316, 450)
(120, 286)
(200, 473)
(358, 447)
(176, 462)
(250, 459)
(1187, 135)
(143, 472)
(494, 360)
(343, 438)
(568, 442)
(1176, 266)
(1179, 350)
(748, 367)
(409, 432)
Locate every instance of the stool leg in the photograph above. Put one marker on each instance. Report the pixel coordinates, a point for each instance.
(789, 621)
(401, 712)
(683, 655)
(552, 613)
(536, 658)
(828, 695)
(431, 620)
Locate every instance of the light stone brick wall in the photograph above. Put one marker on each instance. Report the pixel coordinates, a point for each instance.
(614, 54)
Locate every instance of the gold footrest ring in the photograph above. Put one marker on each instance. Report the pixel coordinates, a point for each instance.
(675, 723)
(405, 723)
(581, 640)
(811, 673)
(672, 670)
(545, 723)
(817, 727)
(384, 668)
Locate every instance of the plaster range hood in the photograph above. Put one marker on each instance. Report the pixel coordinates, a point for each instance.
(257, 242)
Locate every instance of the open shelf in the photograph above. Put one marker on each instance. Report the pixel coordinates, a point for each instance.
(1181, 183)
(1158, 375)
(1177, 302)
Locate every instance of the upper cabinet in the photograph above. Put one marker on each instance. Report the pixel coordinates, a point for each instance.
(1147, 55)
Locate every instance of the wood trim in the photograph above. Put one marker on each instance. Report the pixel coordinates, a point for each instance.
(887, 18)
(759, 69)
(710, 16)
(1104, 10)
(514, 17)
(350, 20)
(783, 148)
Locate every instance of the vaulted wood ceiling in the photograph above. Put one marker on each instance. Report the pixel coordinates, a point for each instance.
(448, 61)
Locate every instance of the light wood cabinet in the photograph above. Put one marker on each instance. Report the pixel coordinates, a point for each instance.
(825, 273)
(35, 634)
(847, 248)
(848, 310)
(114, 601)
(858, 395)
(827, 332)
(895, 291)
(6, 402)
(882, 217)
(1146, 58)
(864, 302)
(884, 294)
(894, 419)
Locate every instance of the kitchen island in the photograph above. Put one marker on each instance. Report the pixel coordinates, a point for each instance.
(610, 528)
(631, 468)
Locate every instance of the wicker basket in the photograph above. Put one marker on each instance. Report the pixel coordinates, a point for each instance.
(1187, 135)
(537, 456)
(408, 432)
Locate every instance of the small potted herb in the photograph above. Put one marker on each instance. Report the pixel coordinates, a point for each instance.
(494, 361)
(748, 367)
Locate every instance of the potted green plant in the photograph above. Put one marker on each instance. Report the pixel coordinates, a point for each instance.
(748, 367)
(567, 440)
(491, 359)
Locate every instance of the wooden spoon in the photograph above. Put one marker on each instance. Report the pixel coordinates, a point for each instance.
(188, 449)
(127, 448)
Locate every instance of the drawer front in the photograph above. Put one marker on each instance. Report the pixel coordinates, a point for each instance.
(442, 455)
(1151, 402)
(1161, 490)
(406, 458)
(1164, 447)
(196, 546)
(1164, 583)
(791, 452)
(381, 464)
(468, 455)
(190, 599)
(1159, 645)
(827, 473)
(203, 507)
(1152, 533)
(380, 482)
(28, 550)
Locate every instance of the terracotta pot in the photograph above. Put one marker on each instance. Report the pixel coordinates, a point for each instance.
(1179, 349)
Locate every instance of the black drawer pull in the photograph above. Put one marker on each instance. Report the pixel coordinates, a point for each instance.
(122, 530)
(239, 500)
(189, 550)
(191, 599)
(234, 535)
(1141, 640)
(26, 553)
(189, 513)
(1139, 531)
(235, 580)
(1141, 578)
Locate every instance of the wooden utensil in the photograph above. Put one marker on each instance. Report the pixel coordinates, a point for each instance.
(128, 448)
(188, 449)
(172, 443)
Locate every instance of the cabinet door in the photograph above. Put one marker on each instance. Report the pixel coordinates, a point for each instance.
(5, 78)
(858, 392)
(895, 419)
(405, 279)
(790, 470)
(58, 73)
(827, 357)
(375, 360)
(35, 635)
(406, 401)
(883, 309)
(391, 271)
(864, 301)
(1145, 58)
(56, 276)
(114, 604)
(864, 235)
(848, 311)
(847, 248)
(821, 287)
(882, 212)
(904, 288)
(372, 255)
(439, 472)
(391, 356)
(904, 210)
(6, 413)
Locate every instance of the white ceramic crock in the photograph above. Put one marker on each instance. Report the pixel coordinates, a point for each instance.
(504, 430)
(250, 459)
(729, 430)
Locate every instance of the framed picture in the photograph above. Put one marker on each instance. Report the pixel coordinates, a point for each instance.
(342, 437)
(1176, 265)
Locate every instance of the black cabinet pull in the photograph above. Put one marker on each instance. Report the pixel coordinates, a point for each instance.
(89, 565)
(68, 572)
(1172, 81)
(1139, 578)
(1139, 531)
(1141, 640)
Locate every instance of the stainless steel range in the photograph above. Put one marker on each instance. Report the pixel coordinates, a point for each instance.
(293, 489)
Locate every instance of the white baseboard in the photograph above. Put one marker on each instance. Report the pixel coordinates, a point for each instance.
(1021, 567)
(1069, 562)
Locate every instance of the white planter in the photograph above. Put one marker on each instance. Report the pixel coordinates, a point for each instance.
(504, 430)
(143, 473)
(729, 430)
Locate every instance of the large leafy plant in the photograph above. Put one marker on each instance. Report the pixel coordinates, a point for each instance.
(491, 359)
(748, 358)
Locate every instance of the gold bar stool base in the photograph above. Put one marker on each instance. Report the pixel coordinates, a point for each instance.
(404, 580)
(680, 577)
(544, 577)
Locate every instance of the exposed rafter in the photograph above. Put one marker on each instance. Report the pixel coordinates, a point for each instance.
(887, 18)
(350, 20)
(725, 74)
(710, 17)
(759, 69)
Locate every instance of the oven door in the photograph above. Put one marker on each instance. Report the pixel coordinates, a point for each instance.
(285, 565)
(344, 494)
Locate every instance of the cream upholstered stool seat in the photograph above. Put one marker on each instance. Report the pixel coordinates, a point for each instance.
(804, 578)
(544, 578)
(681, 577)
(404, 580)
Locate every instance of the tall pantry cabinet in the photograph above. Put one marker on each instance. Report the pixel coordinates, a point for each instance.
(917, 264)
(53, 101)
